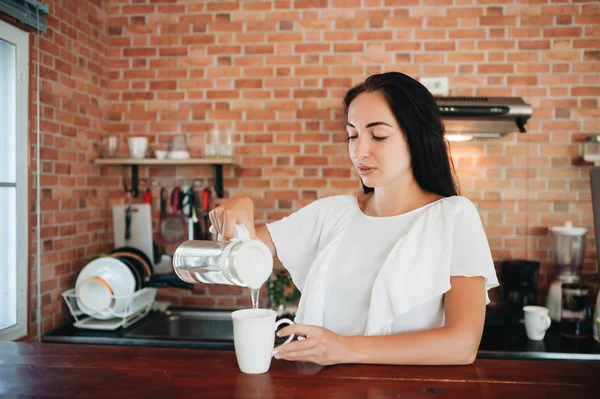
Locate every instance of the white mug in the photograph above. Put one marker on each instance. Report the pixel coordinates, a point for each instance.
(138, 147)
(254, 338)
(537, 322)
(96, 295)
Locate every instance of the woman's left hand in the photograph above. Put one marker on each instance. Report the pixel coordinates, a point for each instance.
(320, 345)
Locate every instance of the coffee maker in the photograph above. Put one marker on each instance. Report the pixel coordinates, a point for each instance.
(567, 244)
(519, 288)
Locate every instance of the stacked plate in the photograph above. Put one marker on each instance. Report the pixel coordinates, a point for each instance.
(105, 286)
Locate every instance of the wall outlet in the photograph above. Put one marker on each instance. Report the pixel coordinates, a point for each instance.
(438, 86)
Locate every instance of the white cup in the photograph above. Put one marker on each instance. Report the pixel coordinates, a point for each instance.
(138, 147)
(254, 338)
(537, 322)
(96, 295)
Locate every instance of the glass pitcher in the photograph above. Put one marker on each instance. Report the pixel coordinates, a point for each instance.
(242, 261)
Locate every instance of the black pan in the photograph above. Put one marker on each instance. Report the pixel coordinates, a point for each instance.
(135, 253)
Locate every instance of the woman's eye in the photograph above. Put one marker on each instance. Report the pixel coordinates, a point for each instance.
(379, 138)
(351, 138)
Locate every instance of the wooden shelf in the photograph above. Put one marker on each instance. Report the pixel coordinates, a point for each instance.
(166, 162)
(216, 163)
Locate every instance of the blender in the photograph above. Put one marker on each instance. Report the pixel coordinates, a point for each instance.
(567, 245)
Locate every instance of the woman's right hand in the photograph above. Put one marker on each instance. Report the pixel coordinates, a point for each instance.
(231, 212)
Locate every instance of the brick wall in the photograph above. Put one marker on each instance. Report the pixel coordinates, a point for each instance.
(276, 71)
(74, 223)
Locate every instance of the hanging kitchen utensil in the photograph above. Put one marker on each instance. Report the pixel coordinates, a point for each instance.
(163, 217)
(175, 223)
(201, 226)
(148, 197)
(205, 207)
(197, 230)
(128, 214)
(187, 203)
(155, 250)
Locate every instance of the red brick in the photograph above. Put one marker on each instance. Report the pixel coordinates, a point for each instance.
(311, 48)
(585, 91)
(302, 4)
(495, 68)
(440, 46)
(139, 52)
(442, 22)
(347, 47)
(375, 35)
(542, 20)
(284, 37)
(534, 44)
(259, 49)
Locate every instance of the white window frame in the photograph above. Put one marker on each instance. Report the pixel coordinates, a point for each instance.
(20, 39)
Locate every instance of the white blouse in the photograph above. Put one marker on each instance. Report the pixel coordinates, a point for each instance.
(363, 275)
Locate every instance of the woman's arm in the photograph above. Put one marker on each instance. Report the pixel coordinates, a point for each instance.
(455, 343)
(263, 234)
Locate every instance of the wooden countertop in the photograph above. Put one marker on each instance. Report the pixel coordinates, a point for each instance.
(58, 370)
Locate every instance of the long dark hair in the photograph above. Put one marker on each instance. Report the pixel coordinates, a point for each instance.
(418, 115)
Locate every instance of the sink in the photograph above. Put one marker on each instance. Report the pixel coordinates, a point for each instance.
(186, 324)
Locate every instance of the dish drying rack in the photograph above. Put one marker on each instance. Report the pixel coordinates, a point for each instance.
(135, 307)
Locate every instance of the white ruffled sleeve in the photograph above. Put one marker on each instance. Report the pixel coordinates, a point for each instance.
(296, 239)
(471, 255)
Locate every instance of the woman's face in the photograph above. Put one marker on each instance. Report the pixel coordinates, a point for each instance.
(376, 143)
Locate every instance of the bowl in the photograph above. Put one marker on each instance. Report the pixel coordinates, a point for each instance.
(179, 155)
(161, 154)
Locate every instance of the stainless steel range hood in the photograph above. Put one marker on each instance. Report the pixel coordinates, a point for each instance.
(468, 117)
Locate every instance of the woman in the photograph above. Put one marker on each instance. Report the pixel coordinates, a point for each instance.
(399, 274)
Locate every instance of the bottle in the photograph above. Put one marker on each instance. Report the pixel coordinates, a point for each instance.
(242, 261)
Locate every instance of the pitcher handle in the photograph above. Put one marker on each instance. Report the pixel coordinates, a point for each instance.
(241, 233)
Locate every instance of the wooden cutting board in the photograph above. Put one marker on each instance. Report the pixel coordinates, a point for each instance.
(140, 230)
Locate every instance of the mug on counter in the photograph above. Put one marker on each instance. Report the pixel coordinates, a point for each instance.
(537, 322)
(254, 338)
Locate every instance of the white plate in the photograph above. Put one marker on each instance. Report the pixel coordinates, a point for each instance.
(117, 275)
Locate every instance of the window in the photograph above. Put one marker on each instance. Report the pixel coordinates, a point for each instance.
(14, 157)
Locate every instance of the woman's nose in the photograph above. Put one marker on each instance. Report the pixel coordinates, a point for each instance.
(361, 148)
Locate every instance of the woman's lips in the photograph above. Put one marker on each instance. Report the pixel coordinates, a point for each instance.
(365, 170)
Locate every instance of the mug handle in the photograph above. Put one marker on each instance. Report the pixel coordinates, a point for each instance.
(547, 321)
(288, 321)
